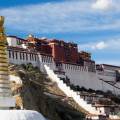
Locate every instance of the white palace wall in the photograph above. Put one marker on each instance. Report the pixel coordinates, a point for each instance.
(70, 93)
(45, 60)
(22, 57)
(78, 75)
(25, 57)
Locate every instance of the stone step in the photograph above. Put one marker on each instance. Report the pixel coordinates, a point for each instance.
(5, 89)
(5, 94)
(2, 52)
(3, 61)
(6, 77)
(3, 57)
(4, 73)
(7, 102)
(2, 44)
(3, 65)
(4, 81)
(5, 68)
(4, 86)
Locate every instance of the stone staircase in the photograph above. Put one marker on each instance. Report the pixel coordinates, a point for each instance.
(70, 93)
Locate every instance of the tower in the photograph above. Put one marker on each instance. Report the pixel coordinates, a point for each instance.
(6, 100)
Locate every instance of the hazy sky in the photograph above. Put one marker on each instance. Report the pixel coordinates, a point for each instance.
(93, 24)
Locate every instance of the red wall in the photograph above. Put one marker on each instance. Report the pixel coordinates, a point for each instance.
(60, 50)
(63, 52)
(57, 52)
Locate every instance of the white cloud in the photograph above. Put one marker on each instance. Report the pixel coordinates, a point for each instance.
(102, 4)
(100, 45)
(110, 45)
(106, 52)
(46, 18)
(58, 17)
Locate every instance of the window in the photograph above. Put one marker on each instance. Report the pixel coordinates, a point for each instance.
(13, 54)
(16, 55)
(9, 53)
(23, 56)
(33, 57)
(30, 56)
(20, 56)
(26, 56)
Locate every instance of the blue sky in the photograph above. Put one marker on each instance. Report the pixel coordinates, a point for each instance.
(93, 24)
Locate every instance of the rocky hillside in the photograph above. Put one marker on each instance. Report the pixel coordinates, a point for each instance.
(34, 91)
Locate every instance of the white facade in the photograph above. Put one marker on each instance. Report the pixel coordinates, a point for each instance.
(22, 57)
(15, 42)
(78, 75)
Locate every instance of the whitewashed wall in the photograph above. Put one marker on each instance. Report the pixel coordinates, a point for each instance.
(78, 75)
(78, 99)
(70, 93)
(19, 60)
(104, 75)
(12, 41)
(48, 60)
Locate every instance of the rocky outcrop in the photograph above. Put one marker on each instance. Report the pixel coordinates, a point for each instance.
(34, 91)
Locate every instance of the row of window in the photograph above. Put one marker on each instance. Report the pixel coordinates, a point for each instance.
(22, 55)
(47, 59)
(75, 67)
(27, 56)
(33, 57)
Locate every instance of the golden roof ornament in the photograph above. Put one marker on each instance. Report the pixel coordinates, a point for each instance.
(1, 21)
(2, 35)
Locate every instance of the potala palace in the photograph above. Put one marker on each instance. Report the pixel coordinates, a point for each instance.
(65, 65)
(66, 62)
